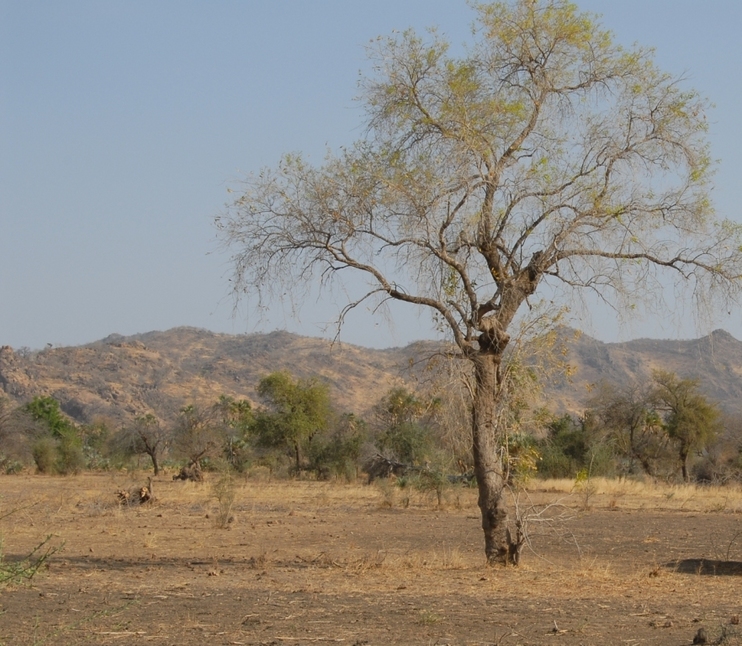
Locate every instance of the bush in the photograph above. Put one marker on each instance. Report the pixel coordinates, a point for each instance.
(338, 454)
(70, 456)
(410, 442)
(564, 451)
(15, 572)
(10, 466)
(523, 458)
(44, 452)
(224, 491)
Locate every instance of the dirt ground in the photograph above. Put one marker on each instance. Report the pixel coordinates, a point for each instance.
(314, 563)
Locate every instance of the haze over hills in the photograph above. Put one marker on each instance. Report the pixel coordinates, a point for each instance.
(119, 377)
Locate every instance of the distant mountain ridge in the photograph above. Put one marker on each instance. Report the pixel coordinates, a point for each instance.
(121, 377)
(714, 360)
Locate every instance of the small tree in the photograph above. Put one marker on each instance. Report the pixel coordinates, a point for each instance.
(630, 419)
(403, 420)
(238, 419)
(296, 410)
(200, 433)
(546, 160)
(337, 452)
(60, 447)
(47, 410)
(146, 436)
(690, 419)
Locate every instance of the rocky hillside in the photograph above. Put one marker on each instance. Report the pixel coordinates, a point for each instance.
(714, 360)
(121, 377)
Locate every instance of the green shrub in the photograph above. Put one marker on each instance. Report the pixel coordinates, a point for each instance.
(15, 572)
(337, 454)
(70, 456)
(44, 452)
(410, 442)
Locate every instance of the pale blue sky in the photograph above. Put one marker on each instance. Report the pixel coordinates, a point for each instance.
(122, 123)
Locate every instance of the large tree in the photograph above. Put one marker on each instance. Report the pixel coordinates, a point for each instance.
(547, 158)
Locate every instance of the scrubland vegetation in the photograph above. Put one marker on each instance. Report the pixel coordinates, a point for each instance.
(663, 431)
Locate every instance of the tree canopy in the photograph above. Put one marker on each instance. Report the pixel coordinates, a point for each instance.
(547, 158)
(690, 419)
(297, 410)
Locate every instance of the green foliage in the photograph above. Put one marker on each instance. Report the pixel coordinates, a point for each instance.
(95, 440)
(563, 452)
(47, 410)
(337, 453)
(224, 491)
(523, 458)
(432, 480)
(44, 452)
(410, 442)
(632, 425)
(70, 457)
(296, 411)
(572, 447)
(405, 420)
(16, 572)
(59, 449)
(10, 466)
(238, 419)
(62, 456)
(689, 418)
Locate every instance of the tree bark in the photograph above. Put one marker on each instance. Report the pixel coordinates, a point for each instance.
(297, 457)
(155, 463)
(684, 451)
(488, 465)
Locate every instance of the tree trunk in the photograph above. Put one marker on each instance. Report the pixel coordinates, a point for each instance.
(684, 463)
(488, 466)
(155, 463)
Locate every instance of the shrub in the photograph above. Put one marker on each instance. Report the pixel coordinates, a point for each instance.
(26, 569)
(70, 456)
(44, 452)
(224, 490)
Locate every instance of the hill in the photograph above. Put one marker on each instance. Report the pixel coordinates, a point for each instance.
(122, 377)
(714, 360)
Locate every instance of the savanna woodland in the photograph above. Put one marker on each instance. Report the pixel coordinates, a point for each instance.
(545, 164)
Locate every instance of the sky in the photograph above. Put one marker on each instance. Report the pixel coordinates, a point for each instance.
(124, 122)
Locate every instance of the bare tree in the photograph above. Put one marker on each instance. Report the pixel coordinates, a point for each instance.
(200, 432)
(146, 436)
(547, 159)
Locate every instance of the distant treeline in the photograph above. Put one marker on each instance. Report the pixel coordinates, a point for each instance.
(662, 429)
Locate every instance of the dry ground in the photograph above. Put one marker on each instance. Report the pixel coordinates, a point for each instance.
(317, 563)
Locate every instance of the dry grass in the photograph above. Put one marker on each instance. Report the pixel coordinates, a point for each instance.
(324, 561)
(637, 494)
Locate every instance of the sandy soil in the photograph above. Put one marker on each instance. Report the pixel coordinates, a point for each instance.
(315, 563)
